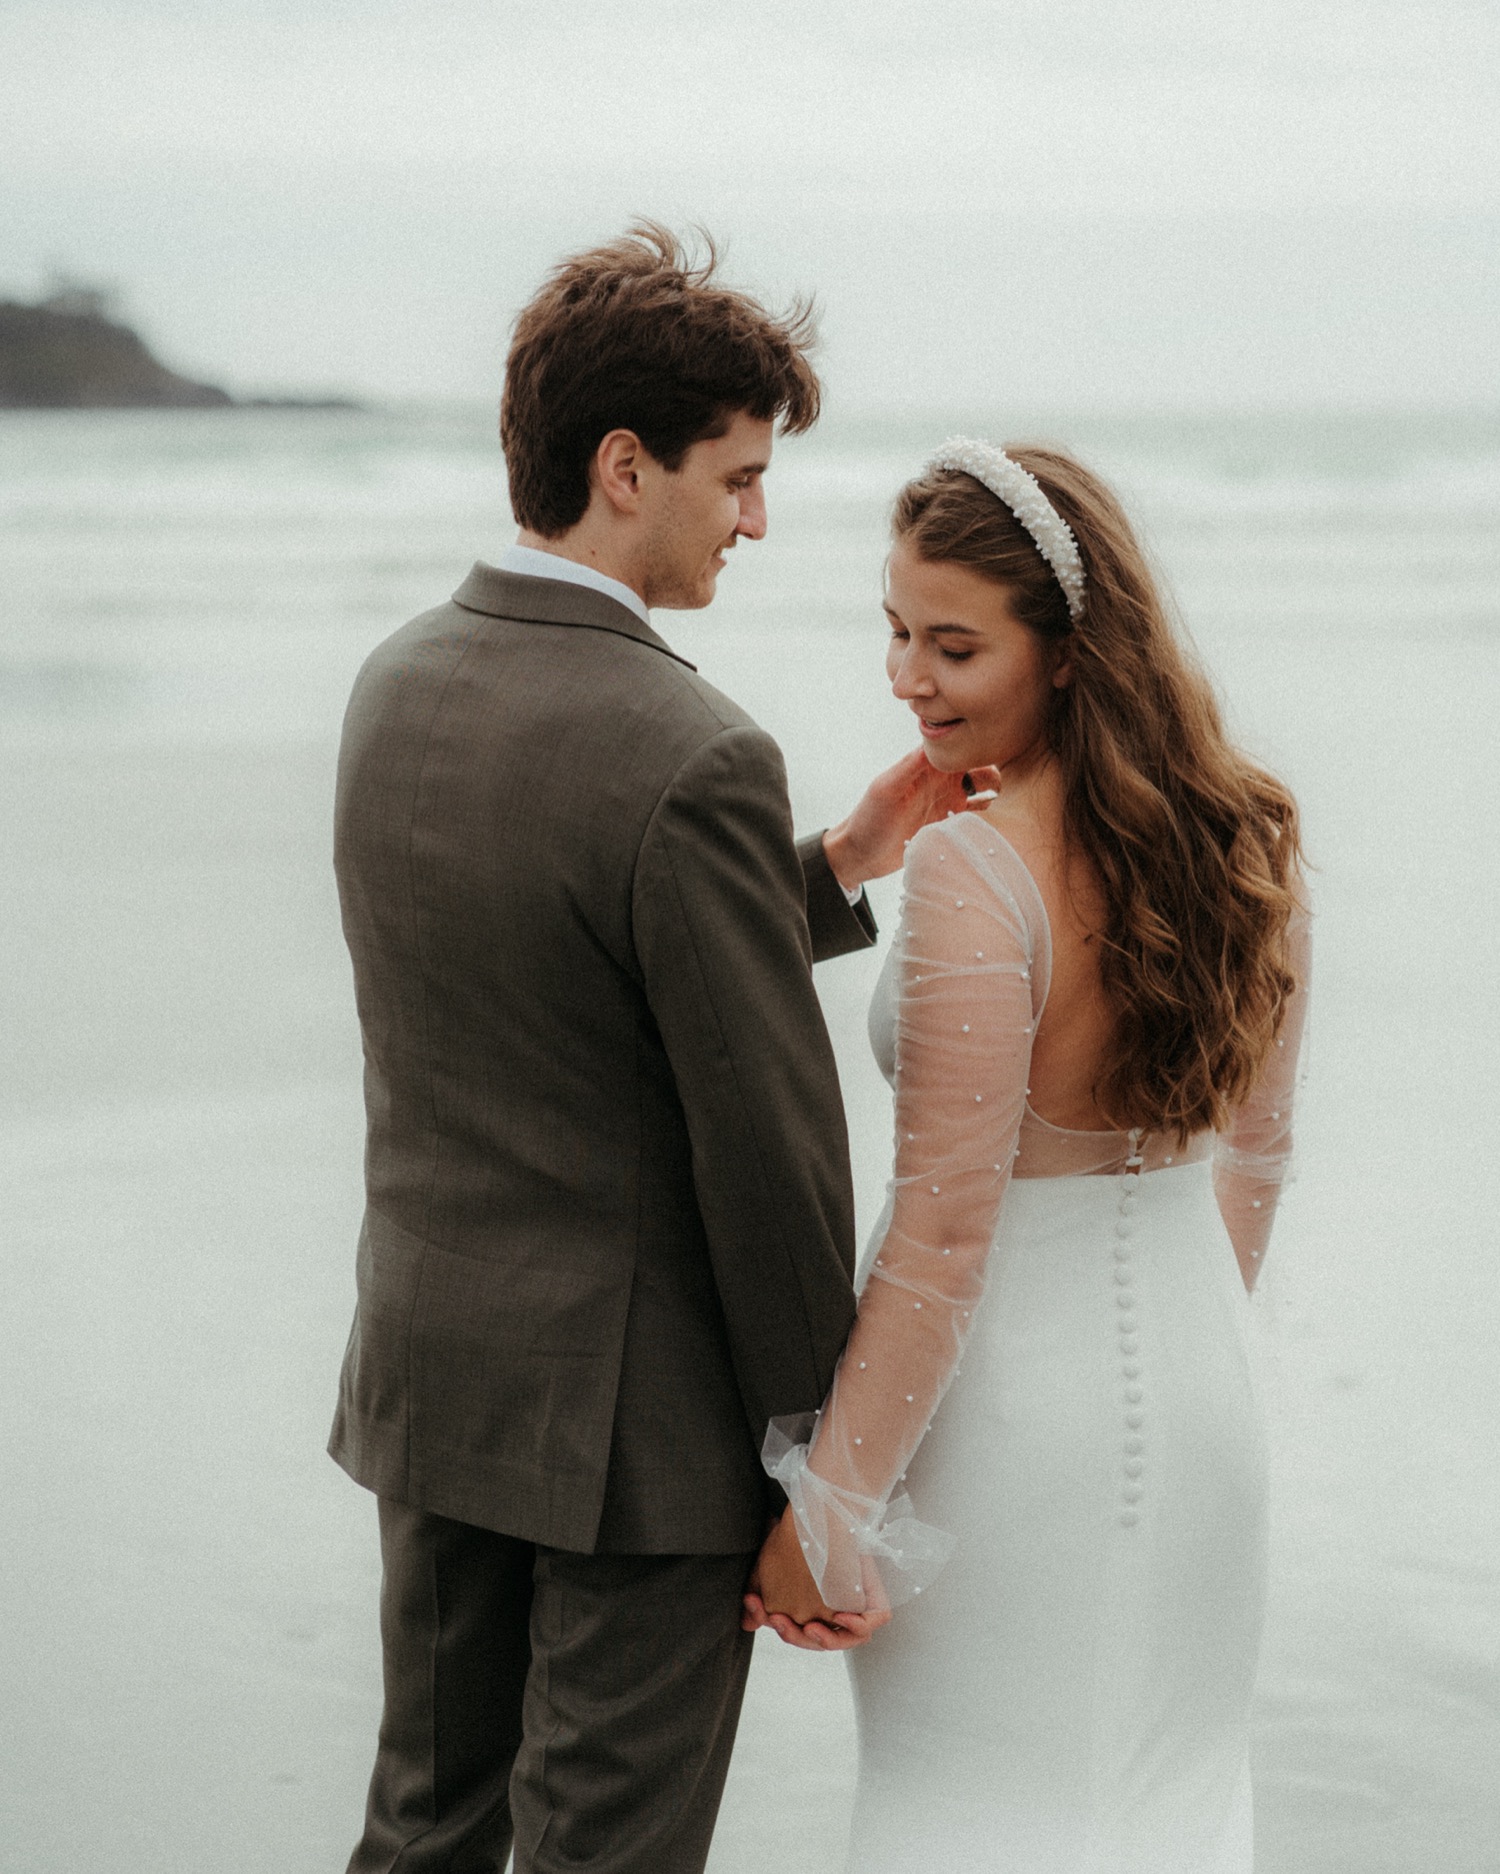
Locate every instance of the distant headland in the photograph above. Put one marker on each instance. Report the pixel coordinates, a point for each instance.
(67, 351)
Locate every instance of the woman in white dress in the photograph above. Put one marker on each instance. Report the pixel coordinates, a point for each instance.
(1090, 1017)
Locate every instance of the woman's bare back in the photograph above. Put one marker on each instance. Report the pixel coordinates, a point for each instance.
(1077, 1024)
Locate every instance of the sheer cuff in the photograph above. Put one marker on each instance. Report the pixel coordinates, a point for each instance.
(863, 1552)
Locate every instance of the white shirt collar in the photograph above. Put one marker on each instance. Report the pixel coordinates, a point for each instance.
(537, 563)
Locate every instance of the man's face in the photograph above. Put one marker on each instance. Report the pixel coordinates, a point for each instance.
(695, 515)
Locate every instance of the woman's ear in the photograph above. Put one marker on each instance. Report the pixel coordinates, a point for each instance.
(1062, 670)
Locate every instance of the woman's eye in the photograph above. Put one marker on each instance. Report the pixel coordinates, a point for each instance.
(957, 657)
(898, 637)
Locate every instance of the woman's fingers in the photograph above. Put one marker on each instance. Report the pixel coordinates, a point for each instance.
(849, 1632)
(787, 1629)
(838, 1634)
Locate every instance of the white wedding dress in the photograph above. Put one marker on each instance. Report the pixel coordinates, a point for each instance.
(1065, 1684)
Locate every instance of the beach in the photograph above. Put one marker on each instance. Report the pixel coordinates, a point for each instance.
(190, 1584)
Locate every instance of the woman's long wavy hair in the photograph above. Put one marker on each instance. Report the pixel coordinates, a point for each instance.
(1196, 847)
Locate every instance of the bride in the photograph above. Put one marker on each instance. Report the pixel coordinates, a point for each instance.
(1090, 1017)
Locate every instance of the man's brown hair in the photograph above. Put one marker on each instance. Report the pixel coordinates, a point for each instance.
(637, 335)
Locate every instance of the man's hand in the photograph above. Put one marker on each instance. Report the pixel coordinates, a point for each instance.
(897, 804)
(783, 1596)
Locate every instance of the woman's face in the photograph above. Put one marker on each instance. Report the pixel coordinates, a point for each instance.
(979, 683)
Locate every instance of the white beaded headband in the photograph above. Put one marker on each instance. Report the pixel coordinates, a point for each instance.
(1022, 494)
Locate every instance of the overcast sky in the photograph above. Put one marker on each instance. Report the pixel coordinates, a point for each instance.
(1085, 201)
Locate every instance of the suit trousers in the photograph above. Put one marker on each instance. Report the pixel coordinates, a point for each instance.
(578, 1709)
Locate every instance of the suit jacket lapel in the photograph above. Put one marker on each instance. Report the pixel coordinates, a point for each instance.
(553, 602)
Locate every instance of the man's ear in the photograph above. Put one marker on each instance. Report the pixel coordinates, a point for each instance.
(615, 470)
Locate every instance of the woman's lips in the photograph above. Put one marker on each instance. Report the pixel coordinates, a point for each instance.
(933, 730)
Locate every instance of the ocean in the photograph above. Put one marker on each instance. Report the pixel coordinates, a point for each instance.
(190, 1584)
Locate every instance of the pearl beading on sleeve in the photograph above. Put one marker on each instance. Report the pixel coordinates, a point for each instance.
(965, 1021)
(1253, 1157)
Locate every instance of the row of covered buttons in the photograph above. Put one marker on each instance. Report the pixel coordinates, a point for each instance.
(1133, 1462)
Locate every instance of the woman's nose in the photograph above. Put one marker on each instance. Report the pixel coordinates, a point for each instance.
(910, 678)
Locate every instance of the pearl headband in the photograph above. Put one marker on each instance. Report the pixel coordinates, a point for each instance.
(1022, 494)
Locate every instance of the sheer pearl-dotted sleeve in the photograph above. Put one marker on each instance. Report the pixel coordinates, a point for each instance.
(967, 1006)
(1254, 1153)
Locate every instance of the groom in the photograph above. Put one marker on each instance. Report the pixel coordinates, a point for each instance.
(609, 1228)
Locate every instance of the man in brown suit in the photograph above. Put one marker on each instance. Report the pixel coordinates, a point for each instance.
(609, 1229)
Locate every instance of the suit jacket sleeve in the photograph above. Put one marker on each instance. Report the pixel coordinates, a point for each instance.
(722, 939)
(835, 925)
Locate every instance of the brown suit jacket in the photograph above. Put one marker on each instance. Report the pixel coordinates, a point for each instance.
(609, 1226)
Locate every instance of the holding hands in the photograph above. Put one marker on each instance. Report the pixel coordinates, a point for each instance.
(783, 1596)
(869, 843)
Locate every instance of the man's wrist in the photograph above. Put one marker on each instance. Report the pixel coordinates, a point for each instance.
(843, 863)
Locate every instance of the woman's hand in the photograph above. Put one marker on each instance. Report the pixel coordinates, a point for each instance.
(871, 842)
(782, 1595)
